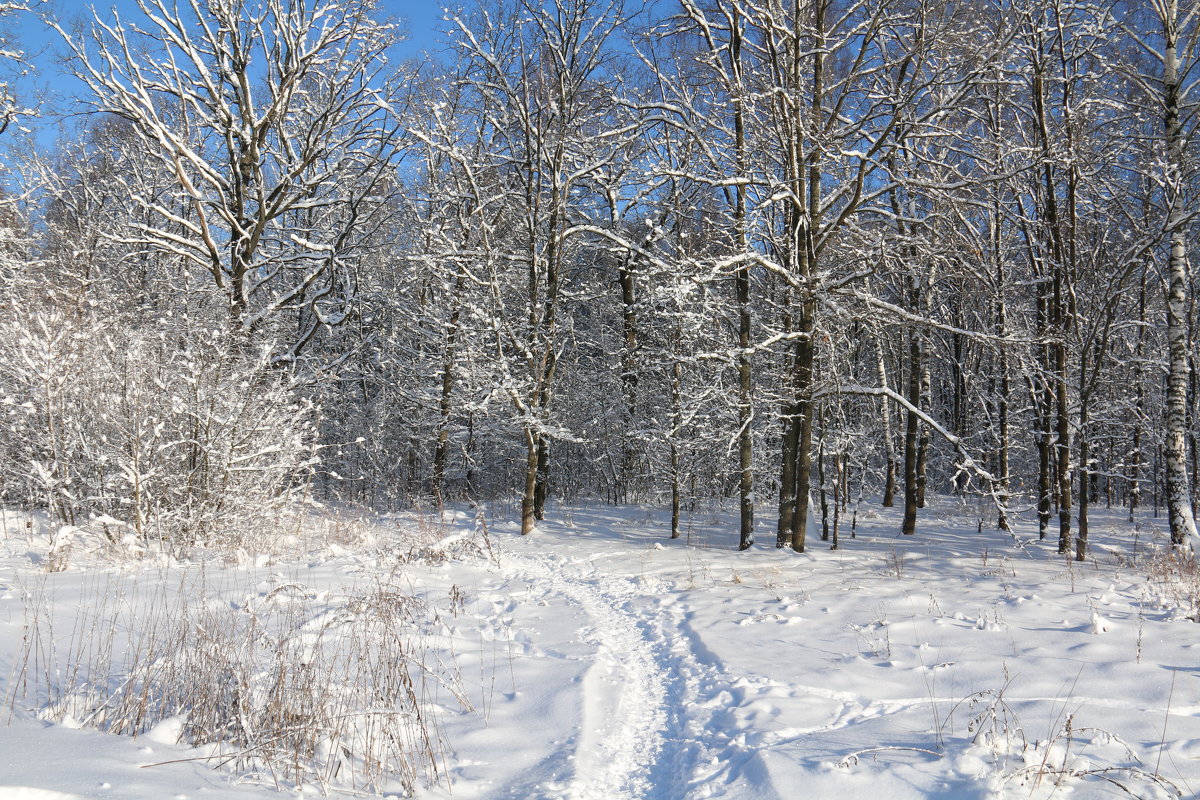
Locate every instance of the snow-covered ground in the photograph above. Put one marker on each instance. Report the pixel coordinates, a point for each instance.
(597, 660)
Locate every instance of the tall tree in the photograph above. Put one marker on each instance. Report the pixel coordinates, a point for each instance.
(536, 71)
(276, 119)
(1180, 29)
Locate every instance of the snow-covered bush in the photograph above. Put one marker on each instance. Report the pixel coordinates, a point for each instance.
(184, 433)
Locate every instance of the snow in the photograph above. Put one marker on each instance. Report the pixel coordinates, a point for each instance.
(598, 659)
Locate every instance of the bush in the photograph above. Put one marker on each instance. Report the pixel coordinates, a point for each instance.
(185, 434)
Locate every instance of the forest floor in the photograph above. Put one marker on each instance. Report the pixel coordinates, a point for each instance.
(598, 660)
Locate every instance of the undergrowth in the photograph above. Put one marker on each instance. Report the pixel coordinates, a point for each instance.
(1173, 582)
(985, 735)
(295, 686)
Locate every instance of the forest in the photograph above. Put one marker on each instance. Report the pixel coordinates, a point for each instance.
(792, 253)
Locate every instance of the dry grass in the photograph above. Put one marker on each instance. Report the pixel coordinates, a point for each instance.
(1174, 582)
(293, 686)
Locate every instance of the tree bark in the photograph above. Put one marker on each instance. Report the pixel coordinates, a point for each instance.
(911, 438)
(528, 518)
(629, 368)
(1085, 478)
(542, 478)
(1135, 457)
(742, 295)
(449, 355)
(676, 430)
(1179, 501)
(1002, 481)
(889, 445)
(745, 413)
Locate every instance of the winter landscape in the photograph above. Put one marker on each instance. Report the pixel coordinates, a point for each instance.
(597, 659)
(599, 399)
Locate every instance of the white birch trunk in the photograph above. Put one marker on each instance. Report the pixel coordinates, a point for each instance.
(1183, 522)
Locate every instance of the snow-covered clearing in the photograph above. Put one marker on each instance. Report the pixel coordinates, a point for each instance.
(597, 660)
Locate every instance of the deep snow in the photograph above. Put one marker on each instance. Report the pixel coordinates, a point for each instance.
(600, 661)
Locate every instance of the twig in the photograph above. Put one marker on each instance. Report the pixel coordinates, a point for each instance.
(1162, 743)
(853, 757)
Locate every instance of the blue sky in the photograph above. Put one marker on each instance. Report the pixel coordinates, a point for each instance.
(422, 19)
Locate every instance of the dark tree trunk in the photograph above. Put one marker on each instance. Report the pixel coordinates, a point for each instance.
(806, 356)
(449, 356)
(528, 516)
(889, 444)
(629, 371)
(745, 412)
(1085, 478)
(1135, 457)
(542, 481)
(824, 489)
(911, 438)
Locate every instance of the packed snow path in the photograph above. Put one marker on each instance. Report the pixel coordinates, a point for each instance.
(624, 692)
(868, 671)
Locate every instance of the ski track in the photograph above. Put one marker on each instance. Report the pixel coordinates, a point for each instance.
(662, 716)
(625, 693)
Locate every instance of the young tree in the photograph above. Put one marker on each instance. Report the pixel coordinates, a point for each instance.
(1165, 34)
(536, 73)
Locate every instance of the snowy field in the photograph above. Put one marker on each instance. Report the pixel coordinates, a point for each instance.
(597, 660)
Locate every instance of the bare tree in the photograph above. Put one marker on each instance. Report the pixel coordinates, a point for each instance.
(1180, 29)
(1166, 33)
(275, 118)
(535, 73)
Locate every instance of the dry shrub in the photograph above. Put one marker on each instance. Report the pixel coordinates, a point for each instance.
(994, 745)
(1174, 582)
(435, 544)
(293, 686)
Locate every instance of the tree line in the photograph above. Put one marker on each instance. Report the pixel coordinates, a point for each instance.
(782, 251)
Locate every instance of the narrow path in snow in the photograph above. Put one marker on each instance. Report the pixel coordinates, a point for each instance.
(625, 709)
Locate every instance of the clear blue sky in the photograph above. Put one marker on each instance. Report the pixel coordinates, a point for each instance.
(423, 18)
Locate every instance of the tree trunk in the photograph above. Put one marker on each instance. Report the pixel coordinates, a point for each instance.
(676, 431)
(745, 414)
(959, 377)
(1002, 487)
(1063, 448)
(542, 478)
(742, 297)
(441, 450)
(889, 445)
(1179, 495)
(789, 446)
(839, 494)
(1135, 457)
(528, 517)
(805, 212)
(823, 488)
(805, 358)
(926, 401)
(1085, 477)
(629, 370)
(911, 437)
(674, 490)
